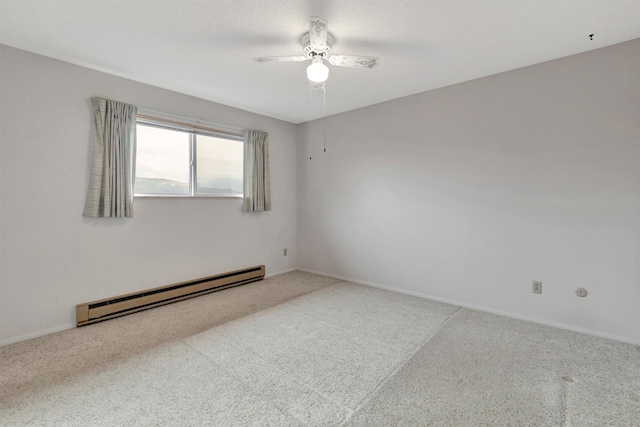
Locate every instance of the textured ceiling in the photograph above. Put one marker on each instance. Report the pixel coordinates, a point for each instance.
(205, 48)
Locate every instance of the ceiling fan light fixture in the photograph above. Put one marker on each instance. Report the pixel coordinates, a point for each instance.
(317, 72)
(316, 45)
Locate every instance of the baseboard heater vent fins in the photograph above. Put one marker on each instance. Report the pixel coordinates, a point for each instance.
(97, 311)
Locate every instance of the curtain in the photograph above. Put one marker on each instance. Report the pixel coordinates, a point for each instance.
(110, 192)
(257, 188)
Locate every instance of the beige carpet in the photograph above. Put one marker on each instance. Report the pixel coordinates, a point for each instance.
(300, 349)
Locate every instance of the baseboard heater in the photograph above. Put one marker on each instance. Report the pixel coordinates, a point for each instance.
(97, 311)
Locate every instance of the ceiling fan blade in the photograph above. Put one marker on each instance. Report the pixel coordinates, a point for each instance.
(353, 61)
(282, 58)
(318, 32)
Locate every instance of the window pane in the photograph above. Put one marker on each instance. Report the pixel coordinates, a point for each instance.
(219, 166)
(162, 161)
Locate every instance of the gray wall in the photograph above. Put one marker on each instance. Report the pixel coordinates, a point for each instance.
(51, 258)
(469, 193)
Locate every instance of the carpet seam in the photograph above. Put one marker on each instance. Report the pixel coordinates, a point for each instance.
(400, 366)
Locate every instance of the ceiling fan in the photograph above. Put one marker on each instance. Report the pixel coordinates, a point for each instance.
(317, 48)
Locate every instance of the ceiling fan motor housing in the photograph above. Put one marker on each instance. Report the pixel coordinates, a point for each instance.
(311, 51)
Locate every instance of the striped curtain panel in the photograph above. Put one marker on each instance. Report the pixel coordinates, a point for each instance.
(110, 192)
(257, 188)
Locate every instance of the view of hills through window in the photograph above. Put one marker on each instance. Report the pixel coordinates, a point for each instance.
(163, 162)
(219, 165)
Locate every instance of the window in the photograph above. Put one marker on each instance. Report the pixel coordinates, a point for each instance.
(185, 161)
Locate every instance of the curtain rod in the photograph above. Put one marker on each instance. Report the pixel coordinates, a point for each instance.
(189, 125)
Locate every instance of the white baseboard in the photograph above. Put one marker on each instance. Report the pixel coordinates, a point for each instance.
(540, 321)
(38, 334)
(277, 273)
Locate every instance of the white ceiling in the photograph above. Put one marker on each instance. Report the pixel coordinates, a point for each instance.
(205, 48)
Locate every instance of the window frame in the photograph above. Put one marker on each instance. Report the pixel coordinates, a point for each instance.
(193, 130)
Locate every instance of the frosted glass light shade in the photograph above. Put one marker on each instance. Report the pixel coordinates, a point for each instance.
(317, 71)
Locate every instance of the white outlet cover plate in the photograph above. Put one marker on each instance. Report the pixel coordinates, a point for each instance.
(536, 287)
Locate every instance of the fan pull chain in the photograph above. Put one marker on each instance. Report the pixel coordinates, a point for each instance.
(324, 116)
(309, 126)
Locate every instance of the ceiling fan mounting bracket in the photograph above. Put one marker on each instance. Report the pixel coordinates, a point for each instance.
(311, 51)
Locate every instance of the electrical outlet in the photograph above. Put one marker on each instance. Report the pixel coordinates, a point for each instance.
(284, 252)
(536, 287)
